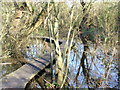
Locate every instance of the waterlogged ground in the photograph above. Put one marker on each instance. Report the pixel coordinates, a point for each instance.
(102, 68)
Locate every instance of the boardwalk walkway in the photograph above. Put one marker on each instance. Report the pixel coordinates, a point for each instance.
(20, 77)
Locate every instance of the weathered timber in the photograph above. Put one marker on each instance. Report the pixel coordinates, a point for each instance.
(47, 39)
(20, 77)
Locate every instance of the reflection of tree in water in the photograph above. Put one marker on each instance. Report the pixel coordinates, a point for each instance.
(97, 73)
(93, 74)
(95, 68)
(94, 78)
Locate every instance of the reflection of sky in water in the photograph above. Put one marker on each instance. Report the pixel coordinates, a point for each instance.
(34, 51)
(97, 68)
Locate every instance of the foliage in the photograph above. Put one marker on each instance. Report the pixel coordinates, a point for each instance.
(58, 21)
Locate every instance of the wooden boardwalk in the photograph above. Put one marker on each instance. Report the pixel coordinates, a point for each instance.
(47, 39)
(20, 77)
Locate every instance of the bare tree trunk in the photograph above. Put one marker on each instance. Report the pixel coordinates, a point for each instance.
(59, 62)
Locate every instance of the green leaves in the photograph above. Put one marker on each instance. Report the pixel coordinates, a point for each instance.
(53, 85)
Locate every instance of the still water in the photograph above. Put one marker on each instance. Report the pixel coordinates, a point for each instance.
(97, 68)
(97, 62)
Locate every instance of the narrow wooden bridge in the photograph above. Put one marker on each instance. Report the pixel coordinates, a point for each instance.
(20, 77)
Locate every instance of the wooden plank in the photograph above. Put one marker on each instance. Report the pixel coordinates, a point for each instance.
(20, 77)
(47, 39)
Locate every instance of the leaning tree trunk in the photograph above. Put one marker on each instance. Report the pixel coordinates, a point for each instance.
(18, 37)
